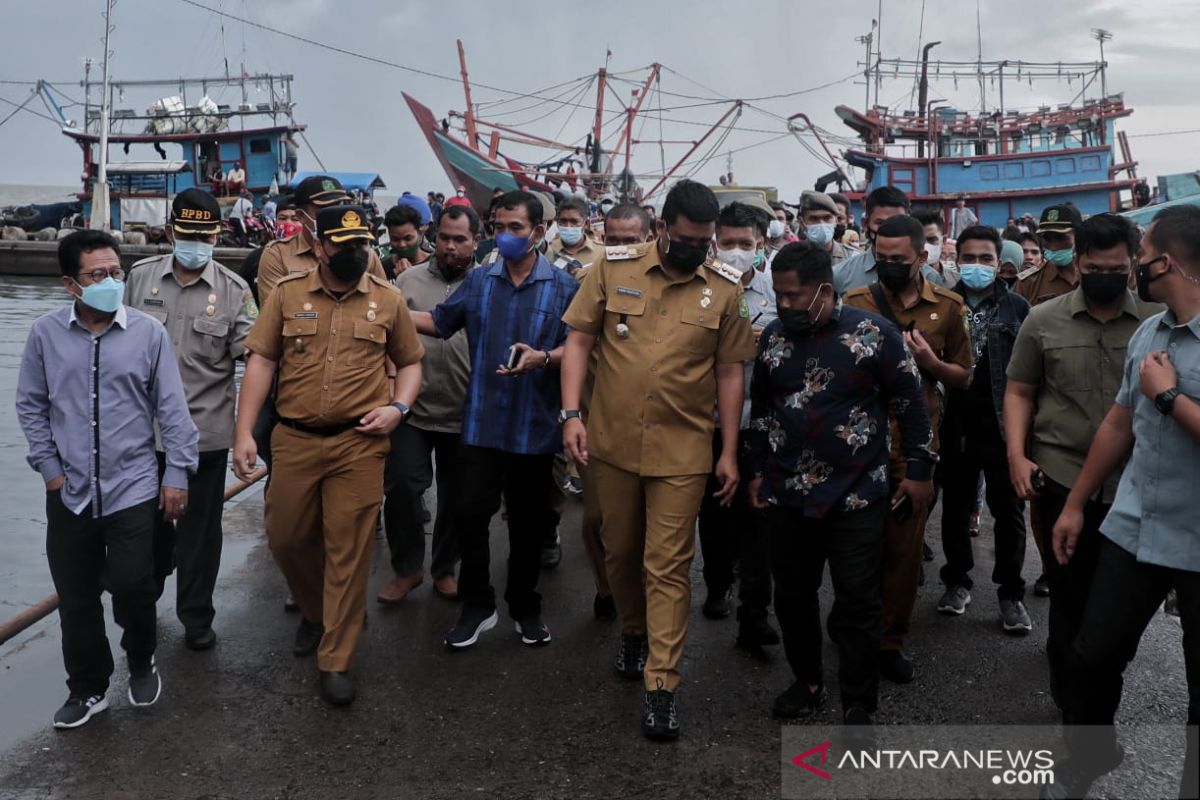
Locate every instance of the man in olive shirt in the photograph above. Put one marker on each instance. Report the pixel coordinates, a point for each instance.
(435, 423)
(208, 312)
(1064, 373)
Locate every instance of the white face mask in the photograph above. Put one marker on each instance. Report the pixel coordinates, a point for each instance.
(935, 253)
(774, 229)
(741, 260)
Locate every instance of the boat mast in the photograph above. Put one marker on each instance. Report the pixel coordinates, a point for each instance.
(597, 124)
(100, 203)
(923, 94)
(469, 115)
(626, 140)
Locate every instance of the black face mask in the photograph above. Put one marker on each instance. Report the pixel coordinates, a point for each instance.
(452, 272)
(1142, 275)
(348, 265)
(1011, 280)
(838, 232)
(686, 257)
(801, 320)
(1103, 288)
(894, 277)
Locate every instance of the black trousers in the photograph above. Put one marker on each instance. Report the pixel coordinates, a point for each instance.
(852, 543)
(485, 475)
(409, 472)
(1124, 597)
(1070, 584)
(960, 481)
(193, 546)
(736, 535)
(87, 555)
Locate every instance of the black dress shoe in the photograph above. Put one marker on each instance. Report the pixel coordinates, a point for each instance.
(290, 604)
(551, 555)
(604, 607)
(756, 633)
(717, 605)
(895, 666)
(200, 639)
(337, 688)
(308, 638)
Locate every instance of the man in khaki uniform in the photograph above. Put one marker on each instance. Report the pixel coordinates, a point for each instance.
(934, 323)
(1057, 274)
(331, 333)
(208, 312)
(298, 254)
(819, 214)
(674, 331)
(574, 248)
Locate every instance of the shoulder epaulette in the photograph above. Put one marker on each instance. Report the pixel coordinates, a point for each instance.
(1025, 273)
(724, 270)
(380, 281)
(626, 252)
(291, 276)
(949, 294)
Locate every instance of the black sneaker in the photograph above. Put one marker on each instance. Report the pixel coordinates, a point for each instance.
(798, 701)
(857, 715)
(337, 688)
(895, 666)
(471, 623)
(1041, 587)
(660, 718)
(200, 639)
(533, 631)
(78, 710)
(631, 657)
(754, 634)
(717, 605)
(552, 552)
(145, 684)
(955, 601)
(1014, 617)
(308, 638)
(604, 607)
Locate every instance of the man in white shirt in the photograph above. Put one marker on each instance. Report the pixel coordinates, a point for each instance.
(962, 217)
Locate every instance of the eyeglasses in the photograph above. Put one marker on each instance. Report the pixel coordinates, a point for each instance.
(97, 275)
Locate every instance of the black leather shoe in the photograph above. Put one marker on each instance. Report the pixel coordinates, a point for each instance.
(717, 605)
(895, 666)
(308, 638)
(604, 607)
(551, 556)
(290, 605)
(756, 633)
(337, 688)
(200, 639)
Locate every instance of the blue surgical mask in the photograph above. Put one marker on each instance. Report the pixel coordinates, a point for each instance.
(760, 258)
(821, 234)
(104, 296)
(570, 236)
(977, 277)
(193, 255)
(511, 247)
(1060, 258)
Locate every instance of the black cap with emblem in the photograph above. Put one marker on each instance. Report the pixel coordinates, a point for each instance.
(195, 211)
(343, 223)
(319, 190)
(1060, 219)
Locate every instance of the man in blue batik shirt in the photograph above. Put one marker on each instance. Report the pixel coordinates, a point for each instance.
(824, 381)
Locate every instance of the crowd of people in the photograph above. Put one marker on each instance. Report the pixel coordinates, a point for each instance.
(745, 371)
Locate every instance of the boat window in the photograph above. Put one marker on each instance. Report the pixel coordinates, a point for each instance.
(260, 146)
(1089, 164)
(1064, 166)
(989, 172)
(1014, 170)
(1039, 169)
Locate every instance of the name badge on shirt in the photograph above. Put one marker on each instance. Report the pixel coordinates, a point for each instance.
(154, 301)
(630, 292)
(305, 315)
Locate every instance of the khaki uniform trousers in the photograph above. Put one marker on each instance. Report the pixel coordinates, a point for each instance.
(590, 531)
(649, 525)
(901, 568)
(321, 508)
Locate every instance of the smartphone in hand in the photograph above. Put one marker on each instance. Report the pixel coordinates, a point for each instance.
(514, 357)
(902, 509)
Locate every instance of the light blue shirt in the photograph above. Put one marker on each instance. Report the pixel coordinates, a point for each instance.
(1154, 513)
(760, 297)
(859, 270)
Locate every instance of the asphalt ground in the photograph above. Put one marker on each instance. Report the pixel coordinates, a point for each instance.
(502, 720)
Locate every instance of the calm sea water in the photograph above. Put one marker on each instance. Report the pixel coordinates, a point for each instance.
(18, 195)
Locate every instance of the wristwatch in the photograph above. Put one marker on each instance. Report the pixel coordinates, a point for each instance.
(1165, 402)
(565, 415)
(403, 409)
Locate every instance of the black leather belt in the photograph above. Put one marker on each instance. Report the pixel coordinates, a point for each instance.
(325, 430)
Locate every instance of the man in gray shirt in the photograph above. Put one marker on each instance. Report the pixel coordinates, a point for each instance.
(1151, 537)
(433, 428)
(207, 311)
(95, 378)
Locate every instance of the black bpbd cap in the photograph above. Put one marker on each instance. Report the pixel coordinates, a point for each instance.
(319, 190)
(1060, 219)
(343, 223)
(195, 211)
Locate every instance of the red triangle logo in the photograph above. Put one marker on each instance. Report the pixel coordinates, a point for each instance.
(823, 750)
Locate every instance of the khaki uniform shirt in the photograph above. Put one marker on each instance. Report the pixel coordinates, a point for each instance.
(208, 322)
(941, 315)
(1076, 362)
(293, 255)
(1039, 284)
(652, 408)
(446, 367)
(586, 256)
(331, 351)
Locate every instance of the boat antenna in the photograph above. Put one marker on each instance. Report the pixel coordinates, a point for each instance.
(100, 204)
(1102, 36)
(979, 62)
(867, 39)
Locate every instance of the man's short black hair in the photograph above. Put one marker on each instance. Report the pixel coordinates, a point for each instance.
(1030, 236)
(929, 216)
(810, 262)
(630, 211)
(901, 226)
(886, 197)
(511, 201)
(284, 204)
(1105, 231)
(840, 199)
(458, 212)
(72, 248)
(692, 200)
(981, 232)
(573, 203)
(740, 215)
(402, 215)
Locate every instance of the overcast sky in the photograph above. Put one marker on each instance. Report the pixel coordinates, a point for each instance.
(358, 121)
